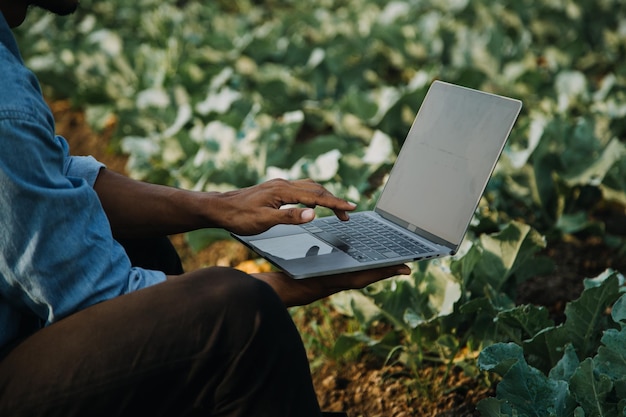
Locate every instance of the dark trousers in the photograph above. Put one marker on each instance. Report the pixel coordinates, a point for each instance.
(214, 342)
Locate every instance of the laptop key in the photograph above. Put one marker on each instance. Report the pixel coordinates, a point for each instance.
(311, 228)
(373, 255)
(374, 241)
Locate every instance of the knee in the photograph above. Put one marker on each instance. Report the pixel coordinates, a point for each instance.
(239, 307)
(226, 290)
(230, 283)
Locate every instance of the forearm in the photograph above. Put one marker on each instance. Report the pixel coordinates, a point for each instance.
(139, 209)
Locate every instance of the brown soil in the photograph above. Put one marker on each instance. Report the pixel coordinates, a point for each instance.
(367, 387)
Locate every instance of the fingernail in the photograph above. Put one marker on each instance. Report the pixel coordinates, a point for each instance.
(352, 204)
(307, 215)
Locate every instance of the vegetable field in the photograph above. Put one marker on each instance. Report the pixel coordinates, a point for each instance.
(226, 94)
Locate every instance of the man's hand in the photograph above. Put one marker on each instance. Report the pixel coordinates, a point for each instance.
(255, 209)
(139, 209)
(296, 292)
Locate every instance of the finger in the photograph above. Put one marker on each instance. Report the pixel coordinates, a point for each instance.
(311, 194)
(318, 196)
(386, 272)
(342, 215)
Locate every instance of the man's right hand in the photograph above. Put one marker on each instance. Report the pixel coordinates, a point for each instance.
(255, 209)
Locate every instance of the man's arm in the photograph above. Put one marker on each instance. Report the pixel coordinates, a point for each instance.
(139, 209)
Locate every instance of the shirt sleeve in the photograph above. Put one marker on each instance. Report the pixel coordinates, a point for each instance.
(57, 253)
(85, 167)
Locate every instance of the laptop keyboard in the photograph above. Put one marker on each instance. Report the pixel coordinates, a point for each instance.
(365, 238)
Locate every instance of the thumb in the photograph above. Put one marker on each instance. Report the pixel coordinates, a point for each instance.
(297, 215)
(307, 214)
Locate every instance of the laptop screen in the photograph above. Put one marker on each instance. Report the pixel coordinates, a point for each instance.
(447, 159)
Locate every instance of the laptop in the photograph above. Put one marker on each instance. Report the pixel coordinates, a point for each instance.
(427, 202)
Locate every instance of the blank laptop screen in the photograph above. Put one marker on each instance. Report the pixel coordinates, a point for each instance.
(447, 159)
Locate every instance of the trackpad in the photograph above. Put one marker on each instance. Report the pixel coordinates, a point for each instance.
(298, 246)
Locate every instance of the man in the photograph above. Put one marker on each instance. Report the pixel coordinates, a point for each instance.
(84, 331)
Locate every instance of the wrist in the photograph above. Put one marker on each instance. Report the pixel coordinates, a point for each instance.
(210, 209)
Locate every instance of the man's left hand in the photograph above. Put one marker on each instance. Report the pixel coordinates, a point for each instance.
(295, 292)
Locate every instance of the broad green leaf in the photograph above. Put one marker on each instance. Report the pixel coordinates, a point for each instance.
(356, 304)
(500, 357)
(520, 153)
(319, 145)
(218, 101)
(379, 150)
(491, 407)
(359, 104)
(464, 266)
(546, 348)
(396, 298)
(412, 318)
(479, 313)
(611, 357)
(442, 289)
(591, 390)
(547, 187)
(618, 312)
(572, 223)
(601, 278)
(595, 171)
(566, 366)
(324, 167)
(505, 253)
(480, 304)
(347, 342)
(526, 390)
(526, 320)
(586, 319)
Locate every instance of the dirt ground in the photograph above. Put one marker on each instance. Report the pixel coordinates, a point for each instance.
(367, 388)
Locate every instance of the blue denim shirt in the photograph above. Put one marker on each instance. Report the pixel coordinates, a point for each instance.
(57, 253)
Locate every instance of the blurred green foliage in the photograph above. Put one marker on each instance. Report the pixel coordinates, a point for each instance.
(228, 94)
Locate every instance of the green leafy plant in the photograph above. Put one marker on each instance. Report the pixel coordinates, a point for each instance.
(322, 333)
(573, 369)
(224, 95)
(448, 306)
(242, 92)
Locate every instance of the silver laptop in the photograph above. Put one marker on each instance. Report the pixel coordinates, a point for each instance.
(427, 203)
